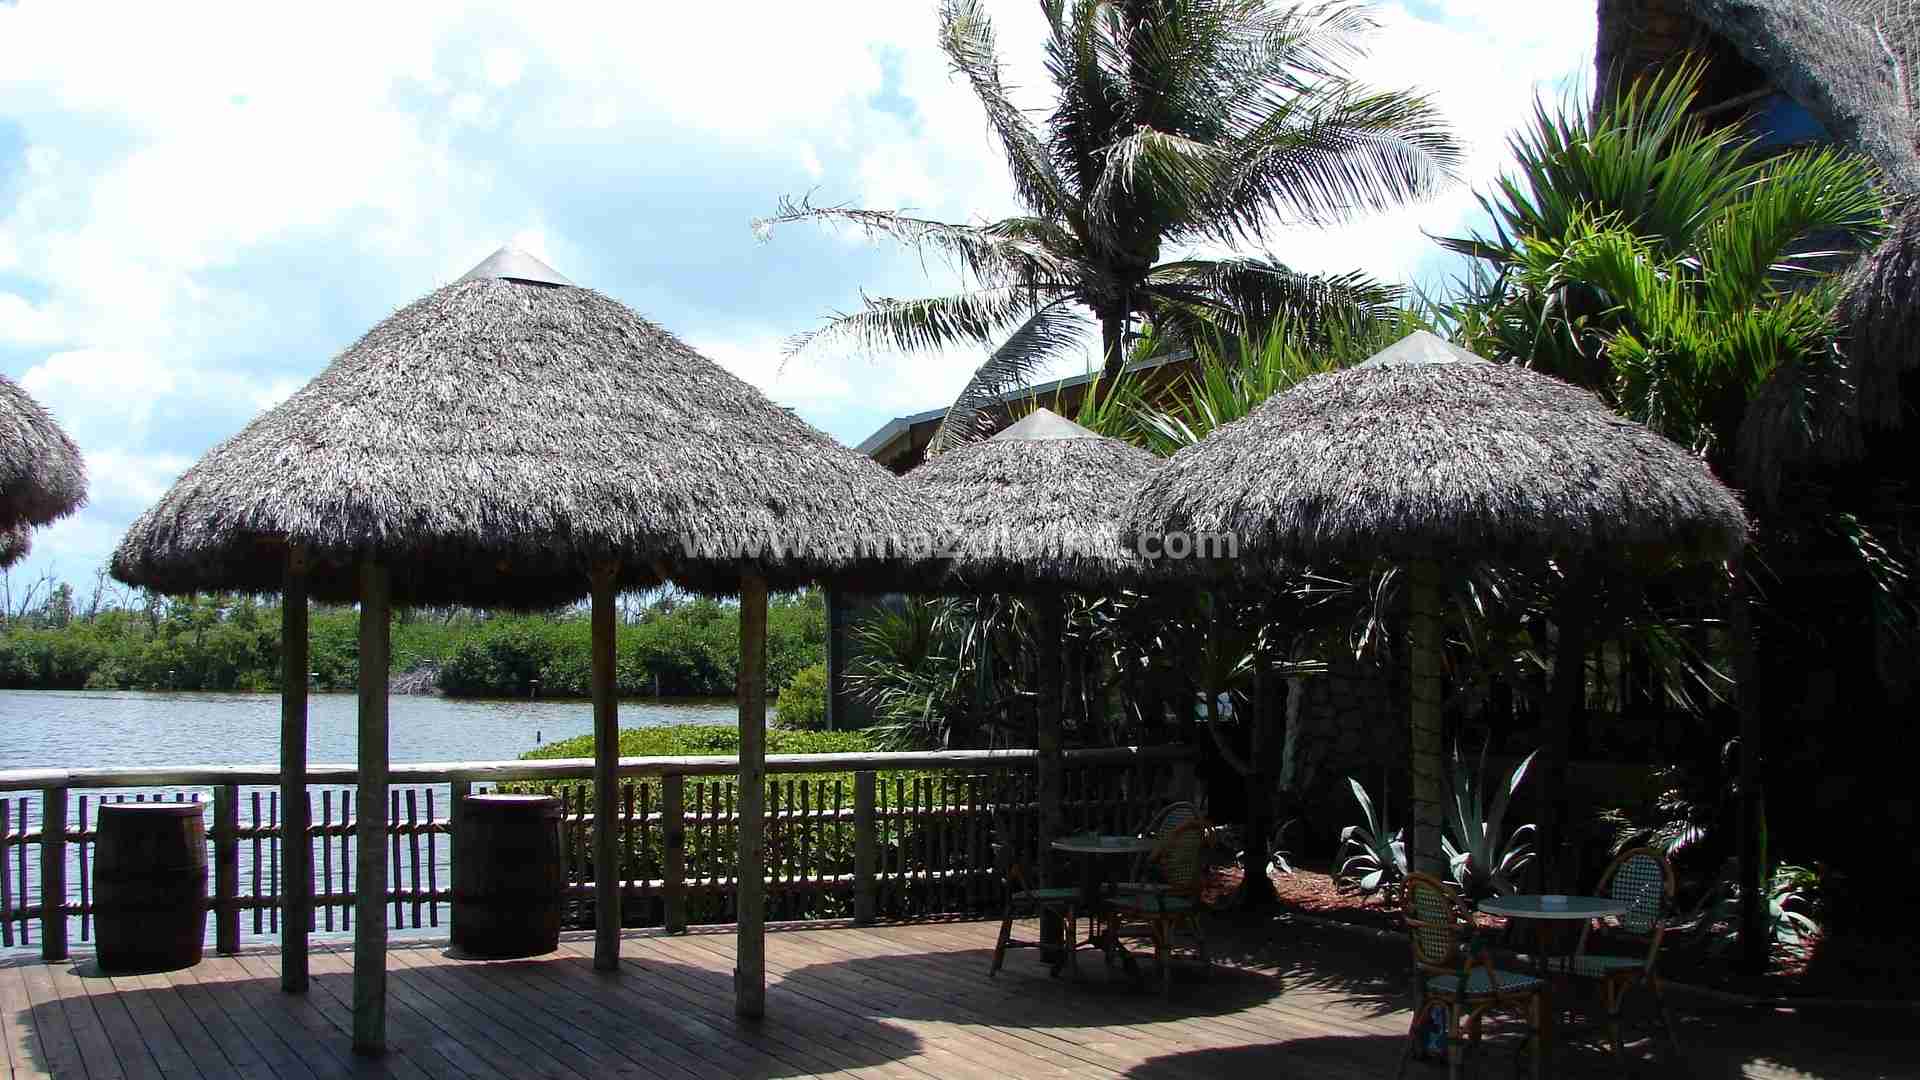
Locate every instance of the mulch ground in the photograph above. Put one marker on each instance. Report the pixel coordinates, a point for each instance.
(1842, 964)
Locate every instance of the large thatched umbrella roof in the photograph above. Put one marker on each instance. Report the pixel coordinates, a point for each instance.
(1850, 62)
(42, 477)
(1036, 507)
(491, 439)
(1427, 452)
(1880, 321)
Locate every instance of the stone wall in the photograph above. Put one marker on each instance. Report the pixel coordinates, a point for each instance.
(1351, 721)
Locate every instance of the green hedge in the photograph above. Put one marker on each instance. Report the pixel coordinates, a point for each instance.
(818, 846)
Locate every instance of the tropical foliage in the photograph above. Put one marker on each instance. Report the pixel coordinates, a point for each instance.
(1483, 857)
(1373, 854)
(1173, 123)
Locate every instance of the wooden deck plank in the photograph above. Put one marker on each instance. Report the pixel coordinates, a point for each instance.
(411, 1033)
(694, 1041)
(814, 972)
(105, 1061)
(254, 1046)
(900, 1002)
(688, 981)
(484, 1032)
(326, 1044)
(581, 1050)
(142, 1011)
(54, 1033)
(659, 988)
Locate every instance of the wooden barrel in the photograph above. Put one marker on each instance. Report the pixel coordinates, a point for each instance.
(509, 886)
(149, 886)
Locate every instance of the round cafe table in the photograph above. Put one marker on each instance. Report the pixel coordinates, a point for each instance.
(1547, 913)
(1095, 851)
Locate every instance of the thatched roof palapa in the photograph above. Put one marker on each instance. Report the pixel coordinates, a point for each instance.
(1850, 62)
(42, 477)
(1036, 507)
(1427, 452)
(492, 439)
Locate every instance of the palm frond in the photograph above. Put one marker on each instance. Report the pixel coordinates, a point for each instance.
(1047, 334)
(1250, 296)
(999, 253)
(922, 324)
(967, 37)
(1321, 160)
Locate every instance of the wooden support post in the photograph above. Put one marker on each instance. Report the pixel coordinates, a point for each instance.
(673, 847)
(296, 886)
(1048, 761)
(1756, 933)
(1565, 698)
(606, 775)
(750, 959)
(53, 874)
(1425, 583)
(836, 657)
(370, 854)
(866, 848)
(226, 869)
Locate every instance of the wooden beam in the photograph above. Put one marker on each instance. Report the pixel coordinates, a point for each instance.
(750, 949)
(1428, 755)
(296, 850)
(370, 856)
(606, 775)
(1755, 934)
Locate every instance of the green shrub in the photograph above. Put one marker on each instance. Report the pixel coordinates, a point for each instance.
(802, 705)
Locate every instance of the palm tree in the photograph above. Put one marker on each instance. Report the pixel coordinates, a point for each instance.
(1176, 123)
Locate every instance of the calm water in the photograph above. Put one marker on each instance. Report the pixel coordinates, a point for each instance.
(96, 729)
(88, 729)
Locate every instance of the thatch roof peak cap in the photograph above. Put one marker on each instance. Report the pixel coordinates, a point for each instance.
(1044, 423)
(1421, 347)
(512, 264)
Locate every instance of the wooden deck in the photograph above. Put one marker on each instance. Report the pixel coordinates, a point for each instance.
(911, 1002)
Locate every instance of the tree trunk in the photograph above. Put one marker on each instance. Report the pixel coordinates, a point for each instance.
(1428, 756)
(1113, 347)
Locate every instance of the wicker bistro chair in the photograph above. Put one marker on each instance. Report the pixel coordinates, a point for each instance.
(1144, 876)
(1642, 878)
(1025, 901)
(1172, 900)
(1461, 979)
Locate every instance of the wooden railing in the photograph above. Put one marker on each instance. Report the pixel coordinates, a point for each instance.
(865, 836)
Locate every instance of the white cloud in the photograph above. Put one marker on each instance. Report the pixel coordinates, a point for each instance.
(216, 198)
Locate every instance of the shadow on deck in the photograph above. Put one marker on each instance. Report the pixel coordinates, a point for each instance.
(910, 1001)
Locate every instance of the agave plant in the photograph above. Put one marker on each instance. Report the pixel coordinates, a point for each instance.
(1484, 862)
(1373, 854)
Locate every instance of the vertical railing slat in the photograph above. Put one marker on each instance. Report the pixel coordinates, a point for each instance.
(673, 843)
(53, 874)
(226, 869)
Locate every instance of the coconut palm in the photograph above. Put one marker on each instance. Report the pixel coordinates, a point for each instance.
(1175, 123)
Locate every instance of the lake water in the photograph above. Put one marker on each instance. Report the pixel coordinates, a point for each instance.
(97, 729)
(103, 729)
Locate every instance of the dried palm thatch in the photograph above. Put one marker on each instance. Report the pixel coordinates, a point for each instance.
(15, 544)
(1850, 62)
(1429, 453)
(42, 477)
(1036, 507)
(492, 440)
(1880, 321)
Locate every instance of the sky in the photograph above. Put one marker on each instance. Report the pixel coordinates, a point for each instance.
(202, 204)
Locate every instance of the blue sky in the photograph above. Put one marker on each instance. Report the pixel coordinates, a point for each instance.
(200, 205)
